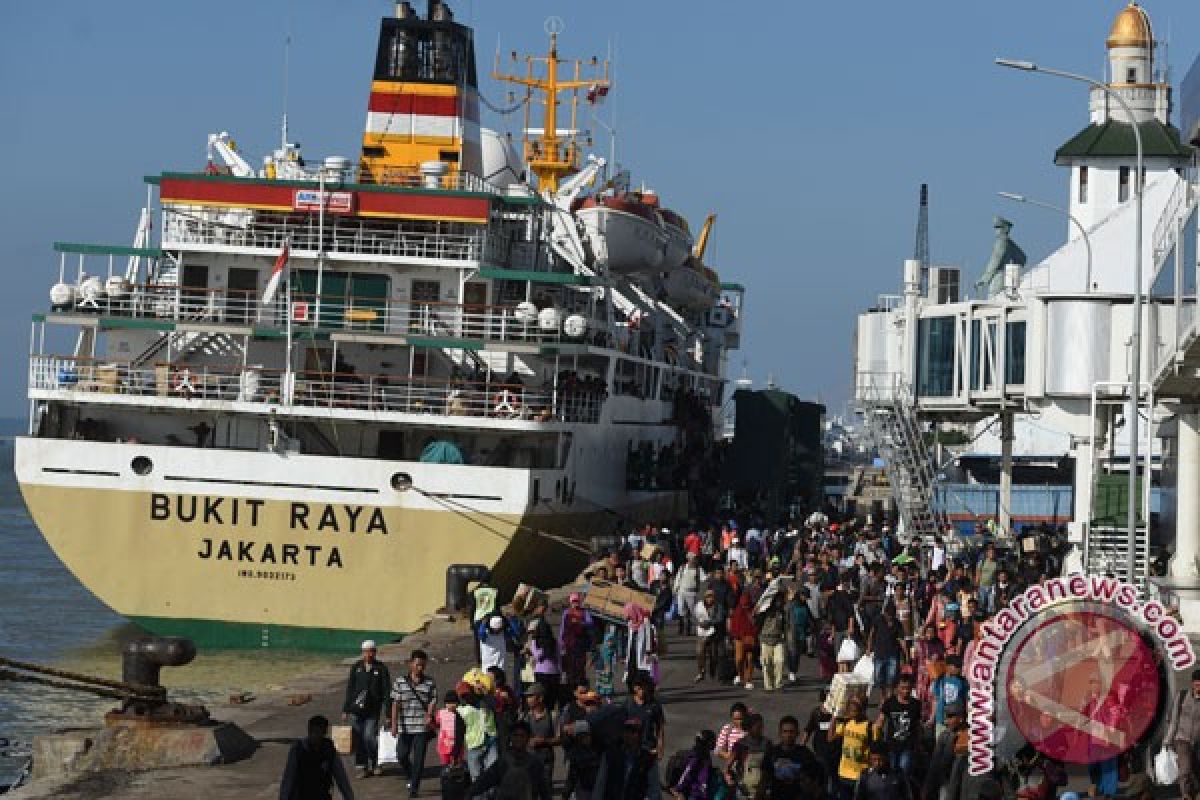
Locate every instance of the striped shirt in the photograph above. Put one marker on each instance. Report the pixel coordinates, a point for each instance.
(414, 700)
(730, 735)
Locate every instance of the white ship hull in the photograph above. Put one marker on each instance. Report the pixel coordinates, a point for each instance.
(261, 548)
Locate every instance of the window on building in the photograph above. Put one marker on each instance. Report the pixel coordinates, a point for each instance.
(1083, 184)
(1131, 75)
(1123, 184)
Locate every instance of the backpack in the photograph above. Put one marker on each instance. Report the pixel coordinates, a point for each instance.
(752, 773)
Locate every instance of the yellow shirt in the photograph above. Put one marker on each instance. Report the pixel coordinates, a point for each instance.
(854, 748)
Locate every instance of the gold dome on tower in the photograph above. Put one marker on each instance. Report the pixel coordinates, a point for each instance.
(1131, 28)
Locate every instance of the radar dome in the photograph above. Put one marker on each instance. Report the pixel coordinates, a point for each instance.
(502, 167)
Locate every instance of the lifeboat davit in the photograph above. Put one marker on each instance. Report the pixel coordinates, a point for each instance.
(624, 233)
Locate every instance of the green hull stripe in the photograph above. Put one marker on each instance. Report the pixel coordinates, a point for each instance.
(207, 633)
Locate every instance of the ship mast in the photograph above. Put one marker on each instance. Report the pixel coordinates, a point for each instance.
(553, 153)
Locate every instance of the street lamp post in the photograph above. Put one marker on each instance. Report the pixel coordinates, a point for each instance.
(1135, 388)
(1087, 241)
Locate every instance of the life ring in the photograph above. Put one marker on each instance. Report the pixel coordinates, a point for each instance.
(506, 405)
(183, 382)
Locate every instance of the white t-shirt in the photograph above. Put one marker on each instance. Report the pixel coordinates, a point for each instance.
(937, 559)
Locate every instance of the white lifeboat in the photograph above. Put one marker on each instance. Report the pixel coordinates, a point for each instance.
(624, 233)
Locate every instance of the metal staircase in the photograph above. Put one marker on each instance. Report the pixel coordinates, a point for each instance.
(889, 410)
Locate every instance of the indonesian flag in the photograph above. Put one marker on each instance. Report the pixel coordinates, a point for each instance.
(281, 263)
(596, 93)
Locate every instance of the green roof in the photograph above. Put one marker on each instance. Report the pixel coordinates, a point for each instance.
(1116, 140)
(569, 278)
(106, 250)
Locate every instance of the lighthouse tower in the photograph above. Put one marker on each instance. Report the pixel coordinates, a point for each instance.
(1103, 156)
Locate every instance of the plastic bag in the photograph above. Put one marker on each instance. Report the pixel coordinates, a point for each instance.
(848, 651)
(387, 748)
(865, 669)
(1166, 767)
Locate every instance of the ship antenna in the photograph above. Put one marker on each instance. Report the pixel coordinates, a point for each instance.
(287, 52)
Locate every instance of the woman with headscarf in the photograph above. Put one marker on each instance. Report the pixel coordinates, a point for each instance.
(642, 650)
(745, 638)
(576, 635)
(543, 654)
(930, 657)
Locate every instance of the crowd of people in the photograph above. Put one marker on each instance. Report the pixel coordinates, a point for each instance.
(765, 610)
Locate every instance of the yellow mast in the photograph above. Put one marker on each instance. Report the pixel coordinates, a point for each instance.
(549, 155)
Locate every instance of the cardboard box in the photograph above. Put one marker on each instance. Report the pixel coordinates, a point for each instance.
(606, 599)
(843, 688)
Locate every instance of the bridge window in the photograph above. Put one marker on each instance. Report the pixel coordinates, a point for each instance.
(935, 357)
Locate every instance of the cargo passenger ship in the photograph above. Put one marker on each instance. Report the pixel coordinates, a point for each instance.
(306, 390)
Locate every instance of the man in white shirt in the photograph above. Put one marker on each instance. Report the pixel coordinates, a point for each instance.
(937, 558)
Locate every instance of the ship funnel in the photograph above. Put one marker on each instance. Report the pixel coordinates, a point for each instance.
(440, 12)
(404, 10)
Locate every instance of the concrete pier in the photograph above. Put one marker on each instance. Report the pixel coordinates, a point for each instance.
(275, 724)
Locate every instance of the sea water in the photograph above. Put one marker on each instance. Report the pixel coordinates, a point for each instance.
(47, 617)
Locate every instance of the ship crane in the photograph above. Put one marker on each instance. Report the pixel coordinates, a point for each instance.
(222, 145)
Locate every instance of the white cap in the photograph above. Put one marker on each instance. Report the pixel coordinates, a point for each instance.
(368, 644)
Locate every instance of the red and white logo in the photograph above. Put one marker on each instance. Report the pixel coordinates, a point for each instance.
(1082, 686)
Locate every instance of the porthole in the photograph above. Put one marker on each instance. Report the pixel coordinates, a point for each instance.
(142, 465)
(402, 481)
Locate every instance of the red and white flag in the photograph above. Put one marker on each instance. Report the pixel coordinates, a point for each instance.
(596, 93)
(281, 265)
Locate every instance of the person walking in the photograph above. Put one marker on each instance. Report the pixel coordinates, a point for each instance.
(1184, 737)
(643, 645)
(801, 627)
(366, 696)
(710, 636)
(542, 651)
(576, 633)
(414, 701)
(628, 771)
(898, 727)
(519, 775)
(543, 733)
(688, 583)
(790, 770)
(772, 627)
(643, 706)
(886, 644)
(313, 767)
(854, 735)
(745, 636)
(879, 781)
(746, 771)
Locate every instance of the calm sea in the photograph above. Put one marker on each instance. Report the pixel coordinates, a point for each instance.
(47, 617)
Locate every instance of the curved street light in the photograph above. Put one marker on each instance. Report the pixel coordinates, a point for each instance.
(1087, 241)
(1135, 388)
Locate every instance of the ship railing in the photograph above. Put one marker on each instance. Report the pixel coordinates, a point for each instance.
(94, 378)
(185, 226)
(378, 315)
(414, 178)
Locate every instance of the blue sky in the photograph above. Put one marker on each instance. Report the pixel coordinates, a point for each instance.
(807, 127)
